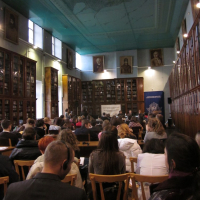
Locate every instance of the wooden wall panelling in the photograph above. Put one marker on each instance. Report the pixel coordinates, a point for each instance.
(65, 92)
(51, 92)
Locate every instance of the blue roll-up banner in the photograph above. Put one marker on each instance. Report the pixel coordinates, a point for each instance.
(154, 101)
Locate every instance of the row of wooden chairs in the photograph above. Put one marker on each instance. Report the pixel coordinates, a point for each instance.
(123, 178)
(5, 142)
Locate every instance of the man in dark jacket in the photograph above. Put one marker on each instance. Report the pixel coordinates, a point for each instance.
(7, 134)
(47, 185)
(94, 131)
(6, 169)
(27, 148)
(40, 128)
(84, 130)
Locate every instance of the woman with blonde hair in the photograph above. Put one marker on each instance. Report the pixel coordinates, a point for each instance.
(155, 130)
(66, 135)
(128, 144)
(125, 132)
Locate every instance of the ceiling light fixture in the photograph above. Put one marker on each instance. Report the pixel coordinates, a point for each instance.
(198, 5)
(178, 52)
(185, 35)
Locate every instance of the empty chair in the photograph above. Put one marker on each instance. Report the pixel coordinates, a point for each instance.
(121, 178)
(5, 142)
(22, 164)
(133, 160)
(142, 179)
(83, 137)
(4, 180)
(70, 178)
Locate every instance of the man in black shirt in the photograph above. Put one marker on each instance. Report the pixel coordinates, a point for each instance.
(7, 134)
(58, 158)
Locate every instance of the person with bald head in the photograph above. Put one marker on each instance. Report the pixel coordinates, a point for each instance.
(58, 158)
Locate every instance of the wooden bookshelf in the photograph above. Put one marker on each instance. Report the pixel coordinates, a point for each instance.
(51, 92)
(127, 92)
(71, 94)
(17, 86)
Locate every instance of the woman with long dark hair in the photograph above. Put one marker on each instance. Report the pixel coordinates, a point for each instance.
(107, 159)
(182, 159)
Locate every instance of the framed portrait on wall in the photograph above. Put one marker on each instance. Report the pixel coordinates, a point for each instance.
(11, 24)
(195, 10)
(126, 65)
(183, 26)
(69, 59)
(156, 56)
(98, 64)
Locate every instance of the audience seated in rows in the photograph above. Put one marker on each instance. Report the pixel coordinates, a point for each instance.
(7, 169)
(39, 162)
(30, 123)
(94, 131)
(104, 116)
(107, 160)
(128, 144)
(68, 124)
(154, 129)
(57, 123)
(134, 123)
(183, 160)
(58, 158)
(40, 128)
(84, 128)
(47, 122)
(151, 162)
(79, 122)
(66, 135)
(7, 134)
(27, 147)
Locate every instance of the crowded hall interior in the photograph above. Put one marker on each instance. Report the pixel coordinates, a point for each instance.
(100, 99)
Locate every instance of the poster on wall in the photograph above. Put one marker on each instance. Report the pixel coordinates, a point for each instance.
(69, 59)
(98, 64)
(111, 109)
(126, 65)
(156, 57)
(154, 102)
(11, 26)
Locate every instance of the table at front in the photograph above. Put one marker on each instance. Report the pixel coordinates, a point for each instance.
(88, 146)
(6, 151)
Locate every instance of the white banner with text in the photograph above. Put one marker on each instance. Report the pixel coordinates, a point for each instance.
(111, 109)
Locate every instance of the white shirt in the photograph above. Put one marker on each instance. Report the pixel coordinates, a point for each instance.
(151, 164)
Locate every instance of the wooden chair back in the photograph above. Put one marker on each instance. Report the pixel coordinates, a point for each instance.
(109, 179)
(137, 131)
(133, 160)
(84, 137)
(54, 132)
(5, 142)
(22, 164)
(70, 178)
(142, 179)
(4, 180)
